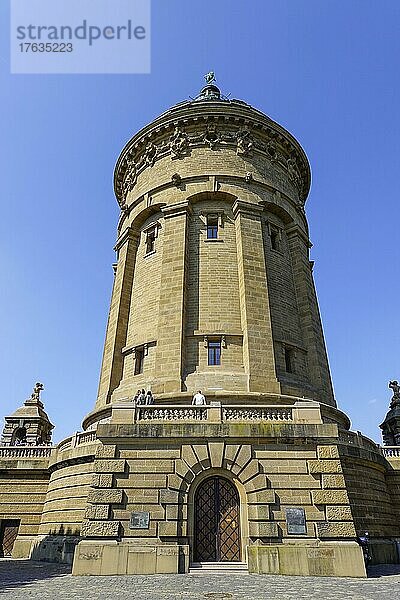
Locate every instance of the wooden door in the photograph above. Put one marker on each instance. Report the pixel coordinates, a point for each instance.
(217, 524)
(8, 534)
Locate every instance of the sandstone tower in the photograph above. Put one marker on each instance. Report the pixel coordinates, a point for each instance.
(213, 291)
(213, 251)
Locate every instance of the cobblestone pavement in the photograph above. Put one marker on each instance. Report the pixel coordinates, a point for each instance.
(28, 580)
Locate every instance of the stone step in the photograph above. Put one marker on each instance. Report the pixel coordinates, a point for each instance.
(218, 567)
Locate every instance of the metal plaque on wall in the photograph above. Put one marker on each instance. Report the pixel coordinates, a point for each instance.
(139, 520)
(296, 520)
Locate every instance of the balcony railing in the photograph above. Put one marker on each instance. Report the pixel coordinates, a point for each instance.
(171, 413)
(78, 439)
(257, 413)
(391, 451)
(25, 451)
(212, 413)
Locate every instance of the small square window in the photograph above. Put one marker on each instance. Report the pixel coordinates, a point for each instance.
(289, 360)
(139, 360)
(212, 227)
(151, 235)
(214, 352)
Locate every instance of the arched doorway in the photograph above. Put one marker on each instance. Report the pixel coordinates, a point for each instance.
(216, 521)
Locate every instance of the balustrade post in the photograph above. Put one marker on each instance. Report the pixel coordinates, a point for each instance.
(214, 412)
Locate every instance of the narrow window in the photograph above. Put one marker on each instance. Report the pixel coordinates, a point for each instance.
(212, 227)
(214, 352)
(274, 239)
(150, 240)
(289, 360)
(139, 359)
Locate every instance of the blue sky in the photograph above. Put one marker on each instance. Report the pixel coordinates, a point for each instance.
(328, 71)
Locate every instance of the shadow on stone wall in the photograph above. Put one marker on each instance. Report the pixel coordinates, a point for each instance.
(57, 546)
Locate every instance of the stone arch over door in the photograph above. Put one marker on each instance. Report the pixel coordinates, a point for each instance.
(216, 526)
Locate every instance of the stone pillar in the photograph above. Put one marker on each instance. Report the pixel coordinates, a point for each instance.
(112, 364)
(171, 317)
(309, 315)
(258, 349)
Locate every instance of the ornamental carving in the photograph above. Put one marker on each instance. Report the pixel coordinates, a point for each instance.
(130, 177)
(211, 136)
(293, 171)
(178, 143)
(395, 387)
(150, 154)
(244, 141)
(179, 139)
(271, 151)
(176, 179)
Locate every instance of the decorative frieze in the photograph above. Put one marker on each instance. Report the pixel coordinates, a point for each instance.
(245, 139)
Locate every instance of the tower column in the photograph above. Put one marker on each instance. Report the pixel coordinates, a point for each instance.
(258, 347)
(112, 363)
(309, 314)
(171, 318)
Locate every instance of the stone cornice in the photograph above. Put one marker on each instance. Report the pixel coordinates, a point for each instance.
(127, 234)
(242, 207)
(175, 210)
(216, 125)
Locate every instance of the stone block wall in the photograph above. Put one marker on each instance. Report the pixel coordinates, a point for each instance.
(23, 487)
(160, 475)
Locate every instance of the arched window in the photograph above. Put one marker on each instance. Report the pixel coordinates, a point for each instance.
(19, 437)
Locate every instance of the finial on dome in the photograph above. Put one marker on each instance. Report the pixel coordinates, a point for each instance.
(210, 77)
(210, 91)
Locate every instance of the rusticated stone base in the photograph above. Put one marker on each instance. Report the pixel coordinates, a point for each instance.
(340, 559)
(125, 558)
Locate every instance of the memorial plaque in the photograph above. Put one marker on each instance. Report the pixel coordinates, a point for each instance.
(296, 521)
(139, 520)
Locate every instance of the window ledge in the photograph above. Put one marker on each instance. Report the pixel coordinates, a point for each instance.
(149, 253)
(212, 240)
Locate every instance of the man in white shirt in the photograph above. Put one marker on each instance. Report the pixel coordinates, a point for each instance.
(199, 399)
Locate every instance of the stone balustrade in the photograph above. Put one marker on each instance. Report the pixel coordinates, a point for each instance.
(84, 437)
(215, 412)
(257, 413)
(391, 451)
(25, 451)
(171, 413)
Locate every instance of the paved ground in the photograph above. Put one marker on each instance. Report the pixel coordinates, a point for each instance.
(28, 580)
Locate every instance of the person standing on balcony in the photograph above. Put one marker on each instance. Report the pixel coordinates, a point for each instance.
(149, 398)
(199, 399)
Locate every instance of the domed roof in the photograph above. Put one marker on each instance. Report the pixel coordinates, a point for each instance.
(209, 109)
